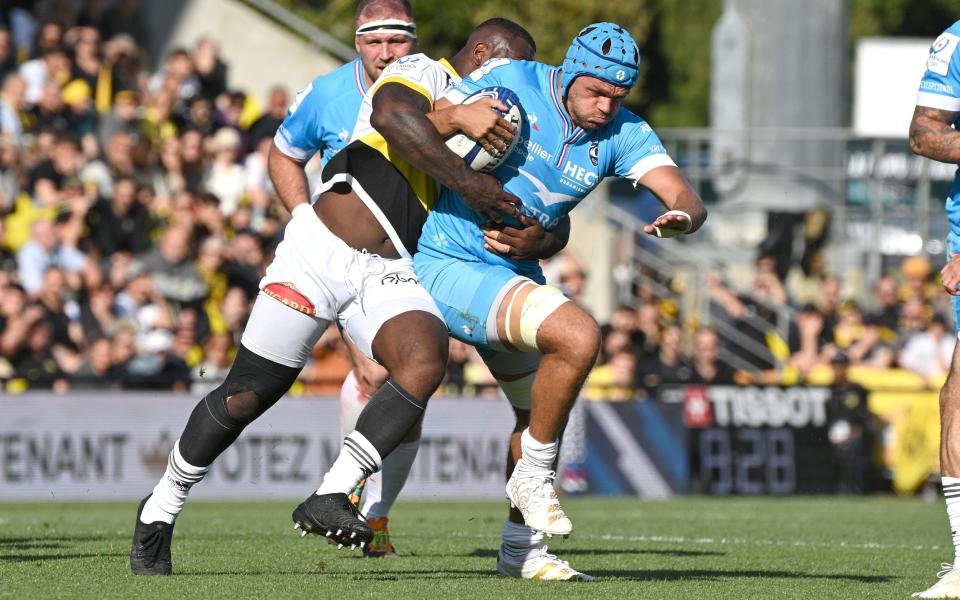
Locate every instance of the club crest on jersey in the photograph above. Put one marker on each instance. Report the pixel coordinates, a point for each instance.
(594, 152)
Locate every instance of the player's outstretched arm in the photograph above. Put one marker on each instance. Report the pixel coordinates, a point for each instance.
(669, 185)
(288, 178)
(399, 114)
(932, 134)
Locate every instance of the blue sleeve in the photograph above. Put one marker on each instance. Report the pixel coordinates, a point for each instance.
(301, 133)
(636, 148)
(487, 75)
(940, 86)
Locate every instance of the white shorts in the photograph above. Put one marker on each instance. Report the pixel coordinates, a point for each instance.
(360, 291)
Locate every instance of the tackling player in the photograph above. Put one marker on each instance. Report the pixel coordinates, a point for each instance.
(933, 134)
(344, 258)
(322, 119)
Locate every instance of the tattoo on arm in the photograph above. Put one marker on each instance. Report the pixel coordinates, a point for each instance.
(399, 114)
(932, 134)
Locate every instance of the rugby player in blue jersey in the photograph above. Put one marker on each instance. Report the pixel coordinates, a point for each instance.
(539, 345)
(933, 133)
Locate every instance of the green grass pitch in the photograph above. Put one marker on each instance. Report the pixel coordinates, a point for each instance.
(684, 548)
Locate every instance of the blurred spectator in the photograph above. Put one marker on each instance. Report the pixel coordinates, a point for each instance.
(85, 42)
(566, 272)
(123, 116)
(888, 303)
(53, 66)
(929, 353)
(177, 76)
(648, 326)
(8, 54)
(61, 311)
(914, 316)
(200, 115)
(457, 358)
(120, 223)
(268, 123)
(80, 113)
(328, 365)
(98, 369)
(98, 314)
(849, 430)
(12, 105)
(9, 174)
(49, 37)
(916, 271)
(706, 362)
(49, 114)
(226, 179)
(259, 189)
(44, 250)
(36, 363)
(669, 365)
(244, 264)
(211, 71)
(173, 270)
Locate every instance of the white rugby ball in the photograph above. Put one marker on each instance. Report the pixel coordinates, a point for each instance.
(470, 150)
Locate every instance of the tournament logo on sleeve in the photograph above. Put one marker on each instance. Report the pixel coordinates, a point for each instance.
(941, 52)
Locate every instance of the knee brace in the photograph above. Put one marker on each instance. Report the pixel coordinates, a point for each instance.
(253, 385)
(537, 306)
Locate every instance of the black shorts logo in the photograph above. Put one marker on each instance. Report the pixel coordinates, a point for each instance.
(397, 279)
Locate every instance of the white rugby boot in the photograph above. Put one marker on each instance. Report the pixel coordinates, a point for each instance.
(540, 565)
(534, 495)
(947, 587)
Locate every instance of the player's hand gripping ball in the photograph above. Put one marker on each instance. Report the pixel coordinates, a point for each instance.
(470, 150)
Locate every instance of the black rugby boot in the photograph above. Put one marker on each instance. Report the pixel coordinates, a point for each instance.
(150, 554)
(333, 516)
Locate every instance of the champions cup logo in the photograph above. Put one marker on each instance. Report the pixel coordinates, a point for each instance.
(621, 75)
(939, 45)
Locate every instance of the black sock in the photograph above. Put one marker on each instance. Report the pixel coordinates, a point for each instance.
(388, 416)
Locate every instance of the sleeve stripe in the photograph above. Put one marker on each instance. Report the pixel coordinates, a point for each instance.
(295, 153)
(413, 86)
(647, 164)
(938, 101)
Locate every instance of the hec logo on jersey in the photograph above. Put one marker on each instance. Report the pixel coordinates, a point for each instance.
(579, 174)
(595, 152)
(941, 52)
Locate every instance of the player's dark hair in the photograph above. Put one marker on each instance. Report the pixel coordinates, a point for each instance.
(506, 29)
(383, 6)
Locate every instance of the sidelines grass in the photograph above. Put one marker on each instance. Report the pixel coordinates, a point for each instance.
(691, 547)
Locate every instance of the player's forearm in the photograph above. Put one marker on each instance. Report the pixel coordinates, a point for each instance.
(413, 135)
(688, 201)
(555, 240)
(932, 135)
(289, 179)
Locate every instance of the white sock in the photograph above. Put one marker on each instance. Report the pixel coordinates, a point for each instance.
(951, 492)
(519, 542)
(352, 401)
(171, 491)
(378, 500)
(536, 457)
(357, 460)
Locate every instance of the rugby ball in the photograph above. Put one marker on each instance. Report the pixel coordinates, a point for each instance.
(470, 150)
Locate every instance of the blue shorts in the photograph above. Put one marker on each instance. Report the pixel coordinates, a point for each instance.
(465, 293)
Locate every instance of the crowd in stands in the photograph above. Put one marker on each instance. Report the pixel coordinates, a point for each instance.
(137, 217)
(136, 212)
(900, 337)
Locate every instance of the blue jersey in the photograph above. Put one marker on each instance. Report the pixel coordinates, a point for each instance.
(940, 89)
(323, 114)
(554, 166)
